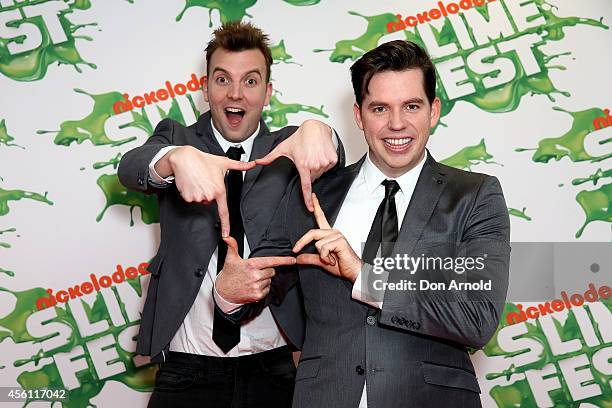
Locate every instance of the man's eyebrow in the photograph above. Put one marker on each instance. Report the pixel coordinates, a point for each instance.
(253, 71)
(376, 103)
(415, 100)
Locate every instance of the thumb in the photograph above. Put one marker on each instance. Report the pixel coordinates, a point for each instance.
(232, 245)
(270, 157)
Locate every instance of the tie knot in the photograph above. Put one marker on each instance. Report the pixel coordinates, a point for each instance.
(391, 187)
(234, 153)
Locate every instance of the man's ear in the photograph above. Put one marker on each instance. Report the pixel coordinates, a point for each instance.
(205, 87)
(435, 112)
(269, 90)
(357, 112)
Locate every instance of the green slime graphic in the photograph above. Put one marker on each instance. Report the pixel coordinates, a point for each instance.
(229, 10)
(90, 127)
(276, 115)
(112, 162)
(519, 394)
(596, 204)
(279, 54)
(503, 98)
(4, 244)
(302, 2)
(117, 194)
(599, 174)
(15, 195)
(5, 138)
(32, 65)
(7, 272)
(137, 378)
(570, 144)
(519, 213)
(469, 156)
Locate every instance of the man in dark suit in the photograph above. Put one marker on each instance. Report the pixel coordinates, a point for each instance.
(204, 360)
(373, 339)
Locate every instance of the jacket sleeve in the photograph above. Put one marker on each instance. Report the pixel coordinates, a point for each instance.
(133, 169)
(469, 317)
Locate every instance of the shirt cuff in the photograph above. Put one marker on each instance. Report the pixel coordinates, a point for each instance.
(368, 287)
(334, 137)
(156, 178)
(225, 306)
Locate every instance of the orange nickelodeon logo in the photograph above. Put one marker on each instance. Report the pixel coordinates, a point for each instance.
(603, 121)
(94, 284)
(162, 94)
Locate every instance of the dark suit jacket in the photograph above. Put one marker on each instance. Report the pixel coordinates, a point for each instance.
(190, 231)
(413, 351)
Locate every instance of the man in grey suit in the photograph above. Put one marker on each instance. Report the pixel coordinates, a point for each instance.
(373, 339)
(204, 360)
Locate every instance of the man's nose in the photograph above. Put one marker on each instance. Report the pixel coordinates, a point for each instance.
(235, 91)
(396, 120)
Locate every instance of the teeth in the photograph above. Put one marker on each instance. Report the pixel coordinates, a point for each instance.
(234, 110)
(398, 142)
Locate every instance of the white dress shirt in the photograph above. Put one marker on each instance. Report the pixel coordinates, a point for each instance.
(195, 333)
(361, 203)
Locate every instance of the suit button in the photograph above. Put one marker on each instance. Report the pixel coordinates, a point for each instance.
(199, 271)
(371, 320)
(140, 181)
(359, 370)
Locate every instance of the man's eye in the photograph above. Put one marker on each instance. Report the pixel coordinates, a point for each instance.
(222, 80)
(379, 109)
(412, 106)
(251, 82)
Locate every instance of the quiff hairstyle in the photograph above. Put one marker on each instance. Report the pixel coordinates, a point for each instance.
(398, 55)
(238, 36)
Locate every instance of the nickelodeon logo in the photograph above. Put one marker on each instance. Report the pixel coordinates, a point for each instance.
(169, 92)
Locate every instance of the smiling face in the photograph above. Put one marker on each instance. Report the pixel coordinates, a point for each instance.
(396, 119)
(236, 90)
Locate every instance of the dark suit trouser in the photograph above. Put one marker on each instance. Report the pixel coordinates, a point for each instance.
(259, 380)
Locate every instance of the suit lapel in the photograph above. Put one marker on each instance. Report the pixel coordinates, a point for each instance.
(204, 130)
(426, 194)
(261, 146)
(331, 195)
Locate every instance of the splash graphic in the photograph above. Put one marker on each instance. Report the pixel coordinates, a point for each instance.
(16, 195)
(355, 48)
(519, 213)
(27, 55)
(302, 2)
(570, 144)
(596, 204)
(516, 390)
(90, 127)
(47, 375)
(233, 10)
(114, 162)
(469, 156)
(599, 174)
(5, 244)
(5, 138)
(276, 115)
(116, 194)
(279, 54)
(492, 98)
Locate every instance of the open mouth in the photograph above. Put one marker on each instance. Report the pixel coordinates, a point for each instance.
(397, 144)
(234, 115)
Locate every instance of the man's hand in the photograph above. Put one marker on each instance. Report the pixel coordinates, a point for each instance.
(312, 151)
(335, 254)
(200, 177)
(247, 280)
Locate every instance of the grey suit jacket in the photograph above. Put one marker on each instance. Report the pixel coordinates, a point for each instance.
(413, 351)
(190, 231)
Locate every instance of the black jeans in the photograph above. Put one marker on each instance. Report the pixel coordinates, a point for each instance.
(259, 380)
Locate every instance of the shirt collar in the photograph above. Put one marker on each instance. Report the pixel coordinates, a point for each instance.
(247, 144)
(373, 177)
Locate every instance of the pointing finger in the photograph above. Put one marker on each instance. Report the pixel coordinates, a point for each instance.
(319, 214)
(223, 214)
(306, 183)
(239, 165)
(273, 261)
(270, 157)
(313, 234)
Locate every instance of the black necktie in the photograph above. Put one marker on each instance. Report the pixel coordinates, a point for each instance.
(225, 334)
(384, 227)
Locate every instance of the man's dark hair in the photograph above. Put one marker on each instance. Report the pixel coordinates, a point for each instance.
(238, 36)
(398, 55)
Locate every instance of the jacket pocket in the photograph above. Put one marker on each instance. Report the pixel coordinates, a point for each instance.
(308, 368)
(447, 376)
